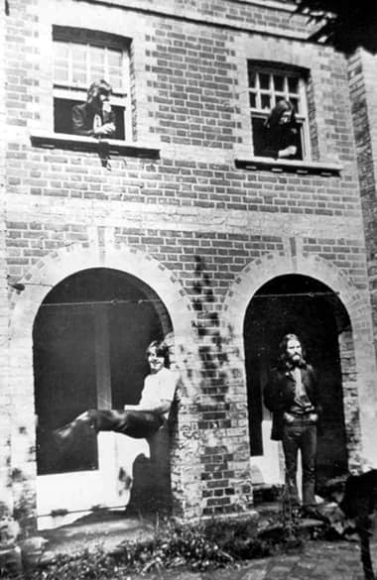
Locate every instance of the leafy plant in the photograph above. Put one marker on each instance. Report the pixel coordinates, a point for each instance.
(201, 547)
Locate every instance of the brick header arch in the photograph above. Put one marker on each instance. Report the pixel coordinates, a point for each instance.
(356, 302)
(54, 268)
(46, 274)
(262, 270)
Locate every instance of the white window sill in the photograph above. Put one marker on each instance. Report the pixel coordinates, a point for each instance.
(289, 165)
(83, 143)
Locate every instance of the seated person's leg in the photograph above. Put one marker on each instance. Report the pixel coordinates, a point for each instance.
(137, 424)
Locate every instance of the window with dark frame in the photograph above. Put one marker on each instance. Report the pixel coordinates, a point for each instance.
(267, 86)
(80, 58)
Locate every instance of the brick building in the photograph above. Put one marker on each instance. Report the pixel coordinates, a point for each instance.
(188, 231)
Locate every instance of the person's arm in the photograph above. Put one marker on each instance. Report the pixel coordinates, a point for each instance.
(107, 129)
(291, 144)
(161, 404)
(315, 387)
(289, 151)
(79, 123)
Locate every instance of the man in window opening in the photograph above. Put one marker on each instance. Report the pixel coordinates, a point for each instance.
(95, 117)
(281, 132)
(138, 421)
(291, 394)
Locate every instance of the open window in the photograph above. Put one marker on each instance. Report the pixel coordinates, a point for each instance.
(267, 86)
(81, 57)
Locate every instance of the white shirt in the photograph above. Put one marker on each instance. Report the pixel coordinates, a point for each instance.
(158, 388)
(301, 400)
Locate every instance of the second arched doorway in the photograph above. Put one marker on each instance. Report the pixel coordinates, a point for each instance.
(309, 308)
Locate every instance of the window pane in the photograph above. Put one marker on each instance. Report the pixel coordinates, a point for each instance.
(252, 79)
(253, 100)
(115, 69)
(295, 104)
(266, 101)
(97, 72)
(79, 52)
(114, 58)
(61, 50)
(116, 78)
(259, 135)
(61, 75)
(280, 97)
(278, 83)
(61, 62)
(116, 84)
(97, 56)
(264, 81)
(293, 84)
(79, 77)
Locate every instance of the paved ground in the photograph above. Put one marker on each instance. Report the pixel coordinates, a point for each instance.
(105, 530)
(318, 560)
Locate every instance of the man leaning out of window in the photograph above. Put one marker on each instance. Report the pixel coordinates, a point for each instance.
(281, 132)
(95, 118)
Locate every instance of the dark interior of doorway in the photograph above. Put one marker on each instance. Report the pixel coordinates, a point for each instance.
(67, 339)
(306, 307)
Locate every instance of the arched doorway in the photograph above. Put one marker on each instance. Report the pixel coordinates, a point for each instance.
(89, 340)
(307, 307)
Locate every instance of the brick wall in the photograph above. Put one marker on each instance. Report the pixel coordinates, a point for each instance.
(362, 70)
(5, 399)
(204, 220)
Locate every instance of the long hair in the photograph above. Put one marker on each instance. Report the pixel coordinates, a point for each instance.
(96, 89)
(162, 350)
(278, 111)
(283, 358)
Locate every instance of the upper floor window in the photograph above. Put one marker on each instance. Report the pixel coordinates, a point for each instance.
(81, 58)
(277, 99)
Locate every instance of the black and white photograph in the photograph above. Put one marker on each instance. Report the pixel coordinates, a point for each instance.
(188, 313)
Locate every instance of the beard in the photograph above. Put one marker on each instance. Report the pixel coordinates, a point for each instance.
(296, 360)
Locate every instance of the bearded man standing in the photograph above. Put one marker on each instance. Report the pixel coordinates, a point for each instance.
(292, 396)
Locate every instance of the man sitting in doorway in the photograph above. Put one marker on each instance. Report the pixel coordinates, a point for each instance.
(138, 421)
(292, 395)
(95, 118)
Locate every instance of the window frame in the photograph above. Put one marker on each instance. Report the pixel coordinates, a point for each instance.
(302, 117)
(71, 91)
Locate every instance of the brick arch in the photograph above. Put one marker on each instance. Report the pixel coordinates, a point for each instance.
(53, 269)
(46, 274)
(359, 337)
(262, 270)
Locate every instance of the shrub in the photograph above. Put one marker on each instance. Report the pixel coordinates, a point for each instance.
(211, 545)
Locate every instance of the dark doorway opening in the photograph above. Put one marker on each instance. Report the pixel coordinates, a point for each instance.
(310, 309)
(90, 337)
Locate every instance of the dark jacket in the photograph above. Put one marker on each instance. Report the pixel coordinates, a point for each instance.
(279, 137)
(83, 119)
(279, 395)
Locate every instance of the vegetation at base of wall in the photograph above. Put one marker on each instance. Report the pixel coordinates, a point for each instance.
(199, 548)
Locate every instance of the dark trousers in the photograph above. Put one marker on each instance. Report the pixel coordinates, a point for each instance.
(300, 435)
(137, 424)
